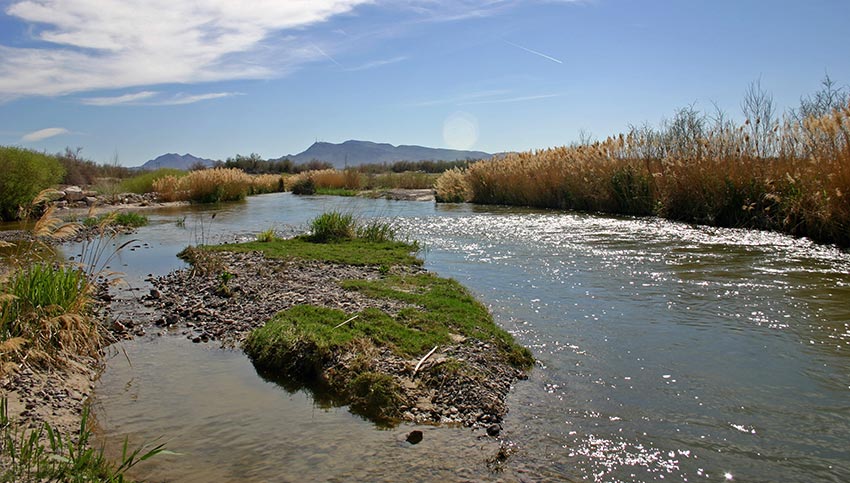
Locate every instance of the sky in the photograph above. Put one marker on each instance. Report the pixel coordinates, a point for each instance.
(128, 80)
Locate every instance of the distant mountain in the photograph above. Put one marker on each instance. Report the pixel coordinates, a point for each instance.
(355, 153)
(174, 160)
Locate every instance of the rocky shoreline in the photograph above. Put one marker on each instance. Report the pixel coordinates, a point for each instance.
(198, 307)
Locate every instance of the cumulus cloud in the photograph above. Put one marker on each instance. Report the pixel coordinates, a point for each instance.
(42, 134)
(104, 44)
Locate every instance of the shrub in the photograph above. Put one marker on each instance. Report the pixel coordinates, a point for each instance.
(301, 184)
(24, 174)
(452, 187)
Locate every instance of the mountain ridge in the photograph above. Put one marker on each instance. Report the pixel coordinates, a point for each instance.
(348, 153)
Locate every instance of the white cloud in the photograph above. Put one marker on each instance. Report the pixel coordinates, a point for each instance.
(42, 134)
(181, 99)
(149, 98)
(104, 44)
(124, 99)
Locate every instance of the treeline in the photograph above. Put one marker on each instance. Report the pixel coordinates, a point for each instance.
(254, 164)
(788, 173)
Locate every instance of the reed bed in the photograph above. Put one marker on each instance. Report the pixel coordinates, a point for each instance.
(205, 186)
(353, 180)
(792, 177)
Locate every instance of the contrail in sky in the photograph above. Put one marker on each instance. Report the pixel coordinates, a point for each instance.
(533, 52)
(326, 55)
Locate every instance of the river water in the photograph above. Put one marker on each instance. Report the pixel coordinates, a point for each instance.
(665, 353)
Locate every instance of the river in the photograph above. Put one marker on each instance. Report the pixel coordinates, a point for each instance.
(666, 352)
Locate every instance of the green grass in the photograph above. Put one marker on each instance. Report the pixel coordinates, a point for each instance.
(446, 307)
(45, 315)
(377, 231)
(267, 236)
(44, 454)
(348, 252)
(143, 183)
(336, 192)
(128, 219)
(332, 226)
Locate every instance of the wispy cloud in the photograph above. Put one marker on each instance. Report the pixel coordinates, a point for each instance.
(86, 45)
(507, 100)
(116, 100)
(42, 134)
(547, 57)
(377, 63)
(181, 99)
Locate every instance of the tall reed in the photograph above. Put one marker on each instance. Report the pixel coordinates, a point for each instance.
(794, 178)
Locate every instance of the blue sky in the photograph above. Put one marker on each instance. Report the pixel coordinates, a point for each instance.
(133, 79)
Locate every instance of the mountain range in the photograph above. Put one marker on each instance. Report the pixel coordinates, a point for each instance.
(355, 153)
(348, 153)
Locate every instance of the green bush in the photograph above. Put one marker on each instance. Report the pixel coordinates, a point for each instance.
(25, 174)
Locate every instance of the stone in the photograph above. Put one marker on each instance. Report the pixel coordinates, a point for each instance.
(414, 437)
(493, 430)
(74, 193)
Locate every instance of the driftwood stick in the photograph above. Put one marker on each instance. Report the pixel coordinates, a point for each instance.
(347, 321)
(423, 360)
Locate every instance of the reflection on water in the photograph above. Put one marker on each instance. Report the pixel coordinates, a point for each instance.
(666, 352)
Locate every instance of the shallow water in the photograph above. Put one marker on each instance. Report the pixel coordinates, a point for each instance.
(666, 352)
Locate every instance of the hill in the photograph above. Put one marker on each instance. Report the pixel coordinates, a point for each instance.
(174, 160)
(355, 153)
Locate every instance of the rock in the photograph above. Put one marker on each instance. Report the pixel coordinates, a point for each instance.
(74, 193)
(90, 200)
(414, 437)
(493, 430)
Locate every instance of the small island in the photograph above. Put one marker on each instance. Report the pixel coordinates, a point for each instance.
(348, 312)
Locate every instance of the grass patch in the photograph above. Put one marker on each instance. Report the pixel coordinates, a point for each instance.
(336, 192)
(267, 236)
(349, 252)
(44, 454)
(446, 307)
(46, 316)
(128, 219)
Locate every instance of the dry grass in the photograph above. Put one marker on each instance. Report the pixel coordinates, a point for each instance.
(794, 178)
(215, 185)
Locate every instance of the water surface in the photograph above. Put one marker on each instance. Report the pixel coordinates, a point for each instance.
(666, 352)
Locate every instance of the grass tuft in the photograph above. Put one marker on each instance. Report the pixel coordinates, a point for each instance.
(44, 454)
